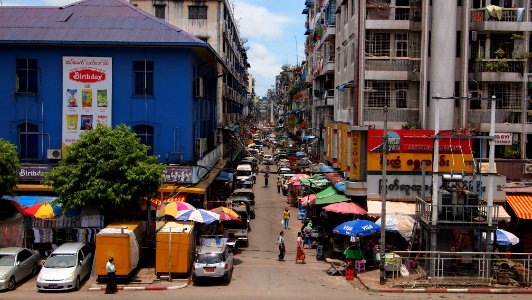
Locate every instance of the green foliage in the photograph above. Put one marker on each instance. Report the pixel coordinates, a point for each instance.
(409, 125)
(498, 66)
(9, 165)
(107, 168)
(512, 152)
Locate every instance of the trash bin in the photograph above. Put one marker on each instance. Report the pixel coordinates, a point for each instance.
(319, 252)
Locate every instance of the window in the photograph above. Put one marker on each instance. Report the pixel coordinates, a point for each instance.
(160, 11)
(28, 141)
(401, 92)
(378, 44)
(401, 45)
(143, 78)
(197, 12)
(145, 133)
(27, 76)
(379, 95)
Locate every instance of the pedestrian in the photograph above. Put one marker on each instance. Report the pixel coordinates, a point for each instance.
(278, 185)
(266, 176)
(282, 248)
(111, 278)
(286, 217)
(300, 253)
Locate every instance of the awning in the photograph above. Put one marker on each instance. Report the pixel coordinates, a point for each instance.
(522, 205)
(407, 208)
(326, 193)
(335, 198)
(502, 215)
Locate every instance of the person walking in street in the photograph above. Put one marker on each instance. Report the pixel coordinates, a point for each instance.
(282, 248)
(266, 176)
(300, 253)
(286, 217)
(111, 278)
(278, 185)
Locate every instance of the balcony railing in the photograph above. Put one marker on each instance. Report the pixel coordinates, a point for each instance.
(501, 116)
(499, 65)
(403, 115)
(391, 64)
(452, 214)
(508, 15)
(387, 12)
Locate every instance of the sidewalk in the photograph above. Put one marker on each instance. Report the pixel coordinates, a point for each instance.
(371, 281)
(144, 280)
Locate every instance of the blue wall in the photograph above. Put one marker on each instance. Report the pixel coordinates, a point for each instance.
(177, 117)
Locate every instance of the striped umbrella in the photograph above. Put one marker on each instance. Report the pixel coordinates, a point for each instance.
(198, 215)
(42, 211)
(227, 210)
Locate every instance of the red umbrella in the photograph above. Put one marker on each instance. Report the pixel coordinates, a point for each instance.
(345, 208)
(308, 200)
(297, 177)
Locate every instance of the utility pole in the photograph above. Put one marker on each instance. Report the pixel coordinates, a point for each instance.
(383, 203)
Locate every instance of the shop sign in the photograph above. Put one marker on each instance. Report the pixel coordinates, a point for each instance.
(418, 141)
(356, 142)
(178, 174)
(408, 162)
(34, 172)
(503, 138)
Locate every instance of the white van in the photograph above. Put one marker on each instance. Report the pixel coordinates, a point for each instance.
(244, 172)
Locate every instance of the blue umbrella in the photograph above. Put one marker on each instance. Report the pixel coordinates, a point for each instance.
(506, 238)
(197, 215)
(357, 228)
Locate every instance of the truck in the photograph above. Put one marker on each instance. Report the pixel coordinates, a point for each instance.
(235, 229)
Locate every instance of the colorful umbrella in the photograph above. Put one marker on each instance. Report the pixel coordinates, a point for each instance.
(357, 228)
(42, 211)
(345, 208)
(226, 210)
(172, 208)
(506, 238)
(197, 215)
(228, 217)
(297, 177)
(308, 200)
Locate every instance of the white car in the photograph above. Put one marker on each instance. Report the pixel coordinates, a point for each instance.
(267, 159)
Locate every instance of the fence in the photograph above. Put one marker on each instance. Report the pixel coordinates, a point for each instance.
(480, 267)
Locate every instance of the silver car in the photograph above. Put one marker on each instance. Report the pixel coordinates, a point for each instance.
(66, 267)
(214, 260)
(16, 264)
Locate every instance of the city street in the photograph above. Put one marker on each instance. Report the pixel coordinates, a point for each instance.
(258, 274)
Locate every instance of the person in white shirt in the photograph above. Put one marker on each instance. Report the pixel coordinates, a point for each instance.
(111, 278)
(282, 248)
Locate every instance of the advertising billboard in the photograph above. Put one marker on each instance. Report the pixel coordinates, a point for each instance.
(87, 95)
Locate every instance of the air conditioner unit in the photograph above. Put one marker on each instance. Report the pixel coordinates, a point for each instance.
(528, 168)
(198, 87)
(53, 154)
(200, 146)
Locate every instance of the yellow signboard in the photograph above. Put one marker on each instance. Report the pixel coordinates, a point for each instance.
(356, 141)
(412, 162)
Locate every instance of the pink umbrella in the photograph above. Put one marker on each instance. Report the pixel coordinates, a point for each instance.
(308, 200)
(297, 177)
(345, 208)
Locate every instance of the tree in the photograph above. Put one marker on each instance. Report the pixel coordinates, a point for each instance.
(107, 168)
(9, 165)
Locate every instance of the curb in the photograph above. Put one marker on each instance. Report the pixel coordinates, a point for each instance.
(444, 290)
(146, 288)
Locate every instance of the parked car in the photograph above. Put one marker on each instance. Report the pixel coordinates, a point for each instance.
(247, 193)
(66, 267)
(214, 260)
(16, 264)
(267, 159)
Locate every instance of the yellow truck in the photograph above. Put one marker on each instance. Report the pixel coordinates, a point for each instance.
(175, 248)
(121, 241)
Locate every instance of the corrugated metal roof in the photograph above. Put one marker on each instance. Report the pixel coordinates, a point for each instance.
(89, 22)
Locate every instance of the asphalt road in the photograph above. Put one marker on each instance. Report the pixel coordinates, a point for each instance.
(258, 274)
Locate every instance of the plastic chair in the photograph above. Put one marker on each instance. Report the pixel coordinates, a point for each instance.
(360, 265)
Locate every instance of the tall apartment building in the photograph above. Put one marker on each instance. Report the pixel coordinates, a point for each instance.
(212, 21)
(403, 54)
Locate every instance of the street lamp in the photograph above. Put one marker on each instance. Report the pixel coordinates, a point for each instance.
(383, 203)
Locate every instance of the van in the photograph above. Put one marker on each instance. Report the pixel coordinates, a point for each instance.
(214, 260)
(244, 172)
(65, 268)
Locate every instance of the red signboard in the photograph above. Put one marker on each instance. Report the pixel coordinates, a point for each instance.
(419, 141)
(87, 75)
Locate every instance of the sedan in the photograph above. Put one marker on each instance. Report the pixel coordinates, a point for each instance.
(16, 264)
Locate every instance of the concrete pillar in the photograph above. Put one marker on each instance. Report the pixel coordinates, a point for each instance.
(443, 58)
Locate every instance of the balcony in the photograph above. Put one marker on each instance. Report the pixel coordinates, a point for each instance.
(457, 214)
(399, 115)
(506, 120)
(382, 16)
(508, 70)
(511, 19)
(387, 68)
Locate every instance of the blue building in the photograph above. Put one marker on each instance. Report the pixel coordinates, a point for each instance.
(63, 70)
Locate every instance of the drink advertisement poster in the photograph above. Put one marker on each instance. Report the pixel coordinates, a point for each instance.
(87, 95)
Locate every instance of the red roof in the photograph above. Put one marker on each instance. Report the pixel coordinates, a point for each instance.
(89, 21)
